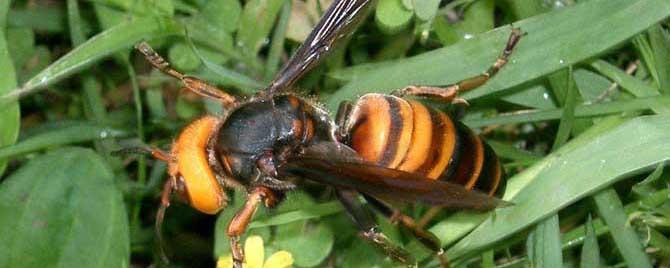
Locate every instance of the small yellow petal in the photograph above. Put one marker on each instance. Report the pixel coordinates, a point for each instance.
(254, 252)
(225, 262)
(281, 259)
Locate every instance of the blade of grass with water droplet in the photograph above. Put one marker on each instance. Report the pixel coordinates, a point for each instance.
(75, 133)
(103, 44)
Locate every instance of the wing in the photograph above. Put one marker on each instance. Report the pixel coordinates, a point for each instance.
(340, 169)
(339, 20)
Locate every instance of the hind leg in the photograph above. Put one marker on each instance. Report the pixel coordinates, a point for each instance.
(426, 238)
(369, 230)
(450, 93)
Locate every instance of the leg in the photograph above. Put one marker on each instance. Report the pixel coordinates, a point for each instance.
(426, 238)
(155, 152)
(368, 227)
(238, 225)
(196, 85)
(160, 215)
(340, 119)
(450, 93)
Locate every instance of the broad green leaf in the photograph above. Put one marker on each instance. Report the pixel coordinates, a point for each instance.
(63, 209)
(72, 134)
(9, 114)
(50, 19)
(22, 45)
(611, 210)
(212, 37)
(559, 179)
(256, 22)
(225, 75)
(391, 16)
(223, 15)
(104, 44)
(309, 243)
(362, 254)
(576, 34)
(182, 57)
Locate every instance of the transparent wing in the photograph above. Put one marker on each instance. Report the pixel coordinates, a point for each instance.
(339, 20)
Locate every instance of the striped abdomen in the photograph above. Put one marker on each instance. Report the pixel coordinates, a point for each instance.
(409, 136)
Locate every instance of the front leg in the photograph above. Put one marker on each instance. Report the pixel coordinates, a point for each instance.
(238, 225)
(193, 84)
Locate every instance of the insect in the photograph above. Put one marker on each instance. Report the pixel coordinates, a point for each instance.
(382, 147)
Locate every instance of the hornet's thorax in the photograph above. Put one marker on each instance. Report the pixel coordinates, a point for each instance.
(259, 135)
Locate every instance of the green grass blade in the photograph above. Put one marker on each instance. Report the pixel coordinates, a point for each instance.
(593, 110)
(577, 33)
(568, 114)
(590, 250)
(631, 84)
(9, 115)
(278, 38)
(611, 210)
(558, 180)
(544, 244)
(75, 133)
(94, 106)
(659, 39)
(104, 44)
(488, 259)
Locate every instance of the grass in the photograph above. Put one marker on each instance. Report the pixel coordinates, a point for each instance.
(579, 118)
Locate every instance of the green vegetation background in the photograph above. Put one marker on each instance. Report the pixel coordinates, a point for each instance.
(580, 118)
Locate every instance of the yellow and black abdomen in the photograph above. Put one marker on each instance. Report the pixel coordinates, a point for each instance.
(409, 136)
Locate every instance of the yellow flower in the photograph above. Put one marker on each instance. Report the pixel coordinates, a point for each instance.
(254, 254)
